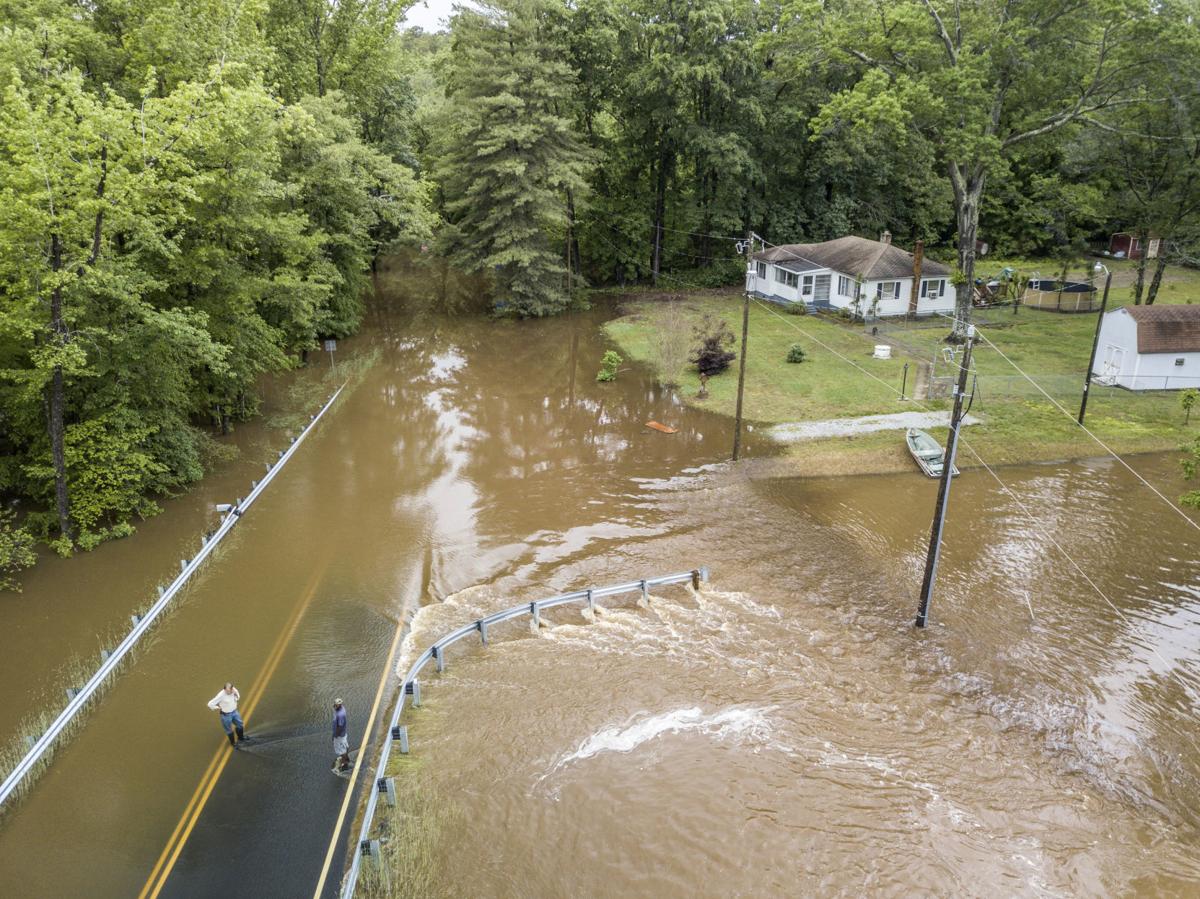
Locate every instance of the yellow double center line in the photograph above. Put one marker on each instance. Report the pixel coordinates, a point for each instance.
(191, 814)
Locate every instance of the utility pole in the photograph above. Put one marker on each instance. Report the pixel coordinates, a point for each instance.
(1087, 375)
(737, 424)
(737, 427)
(943, 498)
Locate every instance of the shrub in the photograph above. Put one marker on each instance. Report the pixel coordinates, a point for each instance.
(609, 363)
(670, 345)
(1187, 400)
(796, 309)
(16, 550)
(796, 353)
(711, 356)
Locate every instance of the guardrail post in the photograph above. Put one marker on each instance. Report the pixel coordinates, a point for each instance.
(71, 693)
(370, 851)
(482, 625)
(413, 689)
(645, 600)
(105, 655)
(387, 786)
(438, 656)
(400, 735)
(161, 589)
(183, 564)
(536, 611)
(591, 600)
(136, 619)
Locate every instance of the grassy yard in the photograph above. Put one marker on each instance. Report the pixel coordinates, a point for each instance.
(1018, 423)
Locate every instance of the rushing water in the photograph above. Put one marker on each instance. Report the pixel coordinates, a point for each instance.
(785, 731)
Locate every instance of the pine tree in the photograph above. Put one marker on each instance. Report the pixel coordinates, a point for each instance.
(515, 158)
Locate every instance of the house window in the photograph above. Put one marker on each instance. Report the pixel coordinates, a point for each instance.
(845, 286)
(1179, 361)
(933, 290)
(806, 289)
(782, 276)
(761, 268)
(887, 290)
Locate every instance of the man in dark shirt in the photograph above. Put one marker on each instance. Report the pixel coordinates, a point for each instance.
(341, 739)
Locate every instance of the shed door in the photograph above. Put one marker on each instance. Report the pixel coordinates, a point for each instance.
(821, 294)
(1114, 357)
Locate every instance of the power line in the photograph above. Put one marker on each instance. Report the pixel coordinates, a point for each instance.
(1086, 430)
(618, 231)
(1008, 490)
(642, 224)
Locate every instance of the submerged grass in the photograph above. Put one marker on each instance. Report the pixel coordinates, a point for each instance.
(78, 670)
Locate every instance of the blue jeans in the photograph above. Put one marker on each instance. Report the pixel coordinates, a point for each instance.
(231, 719)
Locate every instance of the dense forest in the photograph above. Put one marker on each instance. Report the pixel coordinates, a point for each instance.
(195, 191)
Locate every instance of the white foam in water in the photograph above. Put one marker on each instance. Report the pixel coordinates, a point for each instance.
(734, 722)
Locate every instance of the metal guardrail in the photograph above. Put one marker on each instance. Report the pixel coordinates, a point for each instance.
(141, 624)
(398, 733)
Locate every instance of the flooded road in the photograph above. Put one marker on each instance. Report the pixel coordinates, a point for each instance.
(787, 732)
(783, 732)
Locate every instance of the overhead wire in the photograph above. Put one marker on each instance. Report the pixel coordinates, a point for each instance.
(1168, 667)
(1083, 427)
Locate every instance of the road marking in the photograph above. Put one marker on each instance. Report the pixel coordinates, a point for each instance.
(191, 813)
(337, 828)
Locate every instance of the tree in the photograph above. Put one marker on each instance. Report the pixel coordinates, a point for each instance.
(514, 157)
(977, 81)
(1191, 468)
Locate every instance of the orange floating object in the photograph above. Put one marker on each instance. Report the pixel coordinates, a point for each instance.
(666, 429)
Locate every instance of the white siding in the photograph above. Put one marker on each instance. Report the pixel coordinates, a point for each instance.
(1118, 361)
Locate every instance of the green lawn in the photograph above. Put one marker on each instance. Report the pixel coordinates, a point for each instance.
(1018, 423)
(823, 386)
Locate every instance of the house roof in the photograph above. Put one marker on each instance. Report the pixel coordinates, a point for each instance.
(857, 257)
(1167, 329)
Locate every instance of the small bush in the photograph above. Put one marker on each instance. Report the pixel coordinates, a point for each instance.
(711, 356)
(796, 309)
(609, 363)
(16, 550)
(796, 353)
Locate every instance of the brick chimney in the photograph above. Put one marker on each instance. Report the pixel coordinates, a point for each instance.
(885, 237)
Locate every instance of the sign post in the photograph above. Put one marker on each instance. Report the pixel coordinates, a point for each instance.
(330, 346)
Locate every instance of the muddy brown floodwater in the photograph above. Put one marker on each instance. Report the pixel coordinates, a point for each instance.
(785, 731)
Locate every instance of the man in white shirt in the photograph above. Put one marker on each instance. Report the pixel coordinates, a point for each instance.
(226, 702)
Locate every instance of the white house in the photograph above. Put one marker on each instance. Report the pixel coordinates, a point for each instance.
(1149, 348)
(873, 278)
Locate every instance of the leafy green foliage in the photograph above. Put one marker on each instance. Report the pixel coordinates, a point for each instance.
(174, 229)
(1190, 464)
(1187, 399)
(796, 353)
(16, 550)
(609, 363)
(513, 160)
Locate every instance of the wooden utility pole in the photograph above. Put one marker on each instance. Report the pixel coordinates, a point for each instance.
(737, 426)
(943, 498)
(1087, 375)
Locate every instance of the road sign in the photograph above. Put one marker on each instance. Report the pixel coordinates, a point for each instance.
(330, 345)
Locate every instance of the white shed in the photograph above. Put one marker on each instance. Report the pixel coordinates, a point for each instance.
(872, 278)
(1149, 348)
